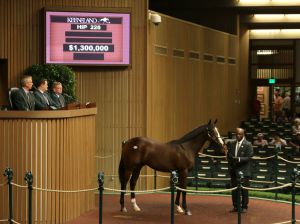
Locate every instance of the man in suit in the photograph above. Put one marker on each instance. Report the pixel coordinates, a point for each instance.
(23, 99)
(239, 154)
(42, 99)
(57, 96)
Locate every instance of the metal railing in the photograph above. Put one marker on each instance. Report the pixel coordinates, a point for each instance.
(173, 182)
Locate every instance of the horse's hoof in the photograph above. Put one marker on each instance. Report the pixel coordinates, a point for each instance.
(179, 209)
(136, 208)
(188, 212)
(124, 209)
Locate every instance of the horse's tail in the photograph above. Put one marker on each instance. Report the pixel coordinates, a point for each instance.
(121, 166)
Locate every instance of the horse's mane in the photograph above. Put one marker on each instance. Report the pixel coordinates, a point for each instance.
(192, 134)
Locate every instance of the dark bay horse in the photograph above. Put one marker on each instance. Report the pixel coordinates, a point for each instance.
(177, 155)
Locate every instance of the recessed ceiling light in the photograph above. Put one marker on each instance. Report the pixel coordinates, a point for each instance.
(253, 2)
(269, 16)
(290, 31)
(263, 31)
(285, 2)
(293, 16)
(268, 2)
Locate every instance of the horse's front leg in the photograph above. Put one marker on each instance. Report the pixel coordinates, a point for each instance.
(133, 180)
(177, 202)
(182, 184)
(184, 205)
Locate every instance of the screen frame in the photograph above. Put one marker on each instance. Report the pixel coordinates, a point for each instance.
(87, 10)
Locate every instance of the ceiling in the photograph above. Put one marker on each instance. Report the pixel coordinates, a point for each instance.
(222, 14)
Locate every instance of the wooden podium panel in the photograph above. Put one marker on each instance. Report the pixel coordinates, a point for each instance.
(59, 148)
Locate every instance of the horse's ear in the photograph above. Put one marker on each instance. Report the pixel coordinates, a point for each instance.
(209, 121)
(216, 121)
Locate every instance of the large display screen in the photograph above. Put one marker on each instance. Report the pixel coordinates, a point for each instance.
(85, 38)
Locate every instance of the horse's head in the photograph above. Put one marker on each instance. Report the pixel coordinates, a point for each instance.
(196, 138)
(213, 133)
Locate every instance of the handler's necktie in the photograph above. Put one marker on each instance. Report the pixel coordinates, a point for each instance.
(238, 145)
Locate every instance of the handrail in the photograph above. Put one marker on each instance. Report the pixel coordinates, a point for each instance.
(47, 114)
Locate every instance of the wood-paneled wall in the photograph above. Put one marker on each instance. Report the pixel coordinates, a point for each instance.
(57, 147)
(119, 92)
(184, 92)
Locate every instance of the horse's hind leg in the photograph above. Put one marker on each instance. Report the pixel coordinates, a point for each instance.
(184, 206)
(124, 181)
(133, 180)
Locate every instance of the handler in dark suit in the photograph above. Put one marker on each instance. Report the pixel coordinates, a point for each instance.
(238, 156)
(42, 99)
(23, 99)
(57, 96)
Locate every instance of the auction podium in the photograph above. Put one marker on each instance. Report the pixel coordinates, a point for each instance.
(58, 147)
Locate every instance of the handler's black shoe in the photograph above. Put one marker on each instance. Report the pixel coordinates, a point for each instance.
(233, 210)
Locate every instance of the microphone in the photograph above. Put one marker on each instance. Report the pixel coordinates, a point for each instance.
(67, 96)
(70, 98)
(34, 87)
